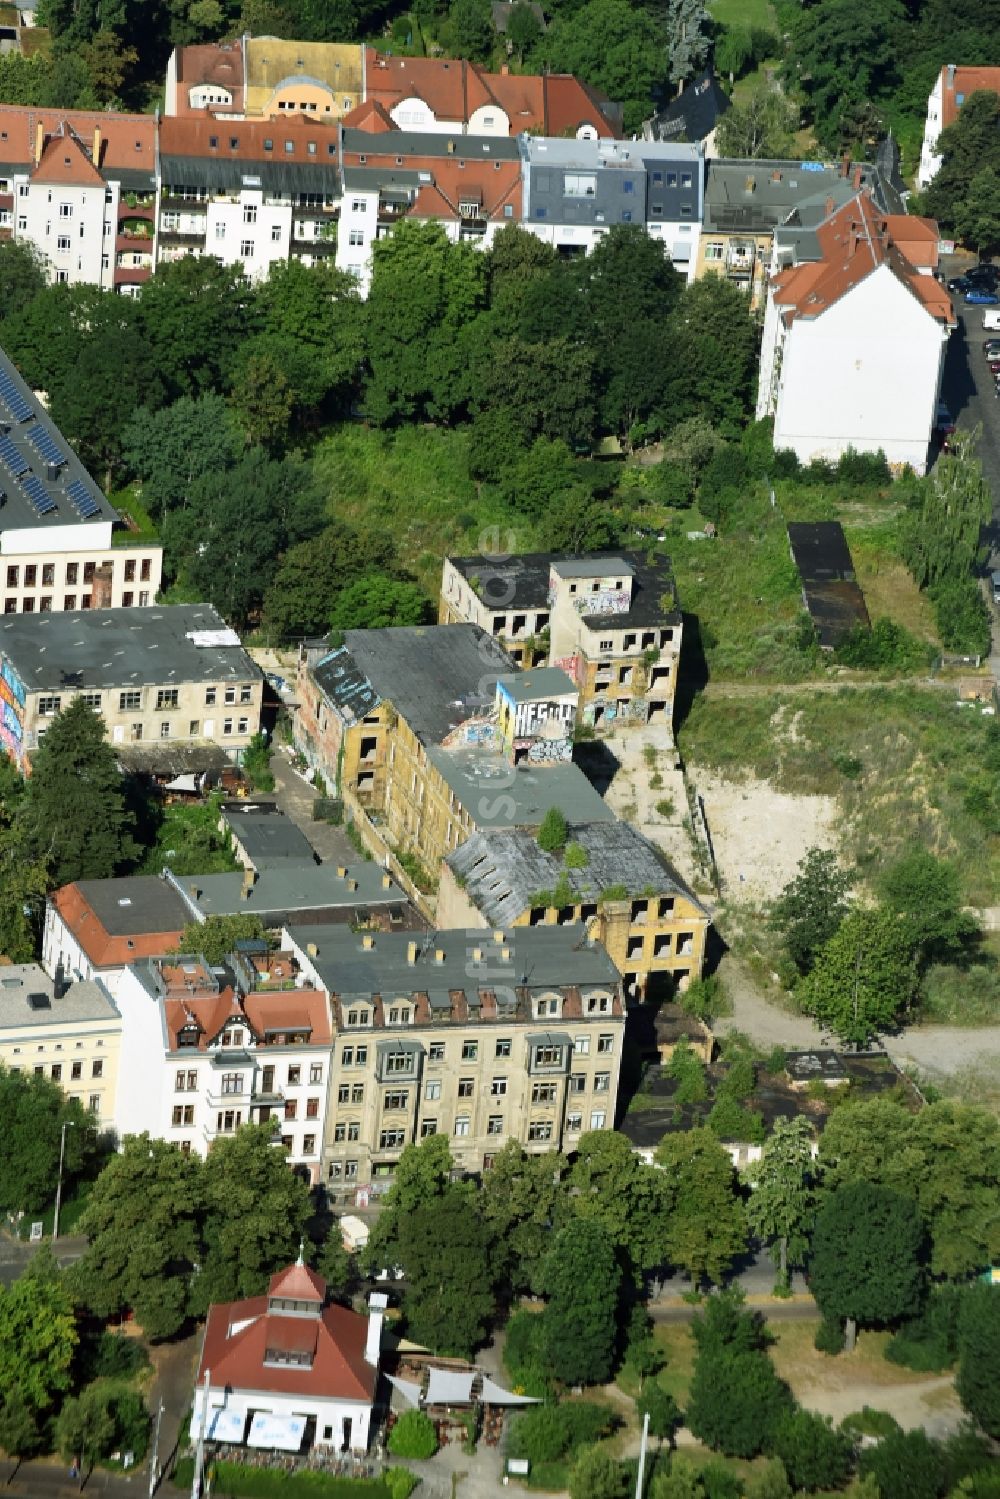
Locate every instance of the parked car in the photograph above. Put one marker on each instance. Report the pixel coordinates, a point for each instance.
(981, 297)
(991, 348)
(995, 365)
(991, 322)
(985, 274)
(960, 283)
(944, 422)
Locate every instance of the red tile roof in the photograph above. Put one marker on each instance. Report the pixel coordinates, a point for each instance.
(854, 242)
(236, 1359)
(65, 161)
(193, 136)
(453, 90)
(368, 116)
(965, 81)
(123, 141)
(101, 948)
(298, 1283)
(262, 1014)
(219, 63)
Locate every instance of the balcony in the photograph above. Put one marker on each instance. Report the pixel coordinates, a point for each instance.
(183, 205)
(329, 211)
(132, 275)
(389, 212)
(138, 244)
(321, 247)
(179, 237)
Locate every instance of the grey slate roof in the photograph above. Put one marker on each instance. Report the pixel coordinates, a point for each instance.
(498, 795)
(287, 890)
(135, 905)
(693, 115)
(98, 648)
(272, 173)
(539, 682)
(84, 1000)
(502, 871)
(435, 676)
(453, 145)
(16, 510)
(267, 836)
(522, 582)
(541, 957)
(756, 196)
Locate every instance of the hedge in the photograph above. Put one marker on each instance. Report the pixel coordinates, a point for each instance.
(236, 1481)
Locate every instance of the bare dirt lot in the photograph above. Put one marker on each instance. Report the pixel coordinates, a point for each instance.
(760, 834)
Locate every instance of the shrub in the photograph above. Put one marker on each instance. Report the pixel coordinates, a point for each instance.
(662, 1409)
(885, 647)
(905, 1465)
(575, 856)
(552, 832)
(689, 1072)
(400, 1482)
(523, 1354)
(814, 1454)
(737, 1402)
(962, 616)
(597, 1475)
(829, 1336)
(549, 1432)
(868, 1422)
(116, 1357)
(863, 468)
(413, 1436)
(729, 1120)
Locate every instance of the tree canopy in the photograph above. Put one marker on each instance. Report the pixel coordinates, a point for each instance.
(867, 1258)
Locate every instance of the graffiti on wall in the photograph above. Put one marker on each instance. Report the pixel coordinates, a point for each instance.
(550, 751)
(572, 666)
(607, 601)
(11, 687)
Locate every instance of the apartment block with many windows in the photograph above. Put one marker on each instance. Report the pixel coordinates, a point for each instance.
(173, 674)
(483, 1036)
(69, 1033)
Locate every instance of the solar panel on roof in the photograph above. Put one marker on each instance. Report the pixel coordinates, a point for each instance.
(82, 500)
(20, 408)
(43, 442)
(11, 458)
(39, 496)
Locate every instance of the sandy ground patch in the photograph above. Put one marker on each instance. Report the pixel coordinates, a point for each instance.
(761, 834)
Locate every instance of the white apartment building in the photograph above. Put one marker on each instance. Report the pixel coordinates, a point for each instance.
(205, 1051)
(952, 87)
(69, 1033)
(853, 345)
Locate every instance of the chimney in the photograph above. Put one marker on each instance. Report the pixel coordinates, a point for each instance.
(951, 75)
(377, 1303)
(341, 871)
(387, 882)
(368, 942)
(59, 981)
(411, 953)
(845, 164)
(96, 158)
(312, 951)
(39, 141)
(858, 174)
(249, 880)
(352, 884)
(194, 891)
(505, 70)
(829, 207)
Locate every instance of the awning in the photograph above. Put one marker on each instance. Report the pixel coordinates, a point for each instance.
(448, 1387)
(226, 1425)
(409, 1391)
(493, 1394)
(183, 783)
(285, 1432)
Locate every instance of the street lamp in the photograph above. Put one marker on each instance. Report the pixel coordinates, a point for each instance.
(67, 1124)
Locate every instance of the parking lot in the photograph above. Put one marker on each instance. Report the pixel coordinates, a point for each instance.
(968, 391)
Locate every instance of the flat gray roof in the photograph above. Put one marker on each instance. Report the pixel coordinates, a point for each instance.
(34, 496)
(435, 676)
(555, 151)
(135, 904)
(96, 648)
(23, 983)
(541, 957)
(593, 567)
(502, 871)
(538, 682)
(498, 795)
(287, 889)
(449, 143)
(267, 836)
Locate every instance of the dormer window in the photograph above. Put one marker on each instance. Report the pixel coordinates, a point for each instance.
(358, 1017)
(400, 1015)
(548, 1008)
(188, 1036)
(598, 1004)
(233, 1036)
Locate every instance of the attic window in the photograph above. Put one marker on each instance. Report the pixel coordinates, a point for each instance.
(362, 159)
(268, 144)
(234, 142)
(66, 161)
(289, 147)
(311, 148)
(213, 141)
(126, 900)
(138, 145)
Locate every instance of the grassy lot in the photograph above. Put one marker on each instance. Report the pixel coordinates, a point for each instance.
(744, 14)
(414, 484)
(905, 762)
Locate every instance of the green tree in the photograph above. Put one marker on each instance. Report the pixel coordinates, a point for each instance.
(598, 1475)
(614, 46)
(946, 1157)
(905, 1465)
(737, 1402)
(969, 149)
(443, 1248)
(689, 37)
(75, 817)
(866, 1263)
(815, 1455)
(337, 1265)
(169, 449)
(143, 1223)
(34, 1110)
(108, 63)
(311, 576)
(977, 215)
(523, 30)
(811, 906)
(255, 1215)
(924, 891)
(216, 937)
(581, 1279)
(23, 883)
(978, 1379)
(846, 54)
(770, 1481)
(713, 358)
(577, 522)
(38, 1339)
(706, 1231)
(261, 399)
(782, 1198)
(413, 1436)
(21, 274)
(21, 1433)
(85, 1428)
(194, 317)
(376, 602)
(470, 29)
(553, 832)
(611, 1186)
(864, 977)
(661, 1408)
(940, 535)
(522, 1200)
(545, 386)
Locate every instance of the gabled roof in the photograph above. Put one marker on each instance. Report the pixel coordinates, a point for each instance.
(237, 1358)
(492, 187)
(218, 63)
(853, 242)
(126, 144)
(958, 83)
(64, 160)
(693, 115)
(371, 116)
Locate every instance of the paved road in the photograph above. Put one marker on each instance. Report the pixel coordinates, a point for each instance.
(295, 797)
(969, 393)
(15, 1254)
